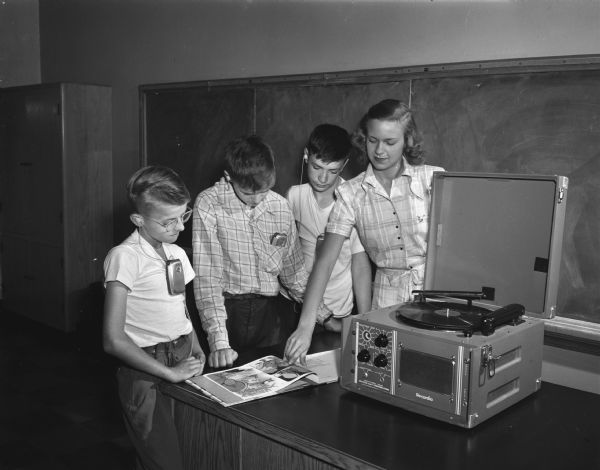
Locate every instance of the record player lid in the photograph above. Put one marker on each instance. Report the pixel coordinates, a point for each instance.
(500, 234)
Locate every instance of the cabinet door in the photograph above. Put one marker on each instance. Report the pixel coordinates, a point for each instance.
(47, 271)
(33, 281)
(32, 198)
(16, 280)
(56, 195)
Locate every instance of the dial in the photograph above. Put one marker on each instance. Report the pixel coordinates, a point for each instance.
(381, 361)
(363, 356)
(382, 340)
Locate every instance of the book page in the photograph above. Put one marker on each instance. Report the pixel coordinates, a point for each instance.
(247, 382)
(280, 368)
(326, 366)
(257, 379)
(267, 376)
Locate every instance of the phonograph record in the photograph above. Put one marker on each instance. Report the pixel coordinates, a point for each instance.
(470, 344)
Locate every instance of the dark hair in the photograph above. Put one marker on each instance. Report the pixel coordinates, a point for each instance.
(394, 110)
(152, 184)
(250, 163)
(329, 143)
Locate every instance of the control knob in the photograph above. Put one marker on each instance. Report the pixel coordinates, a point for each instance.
(380, 361)
(363, 356)
(382, 341)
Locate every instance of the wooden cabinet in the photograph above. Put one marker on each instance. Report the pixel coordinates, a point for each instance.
(327, 428)
(56, 197)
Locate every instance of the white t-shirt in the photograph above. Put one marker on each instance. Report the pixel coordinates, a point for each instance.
(311, 221)
(153, 315)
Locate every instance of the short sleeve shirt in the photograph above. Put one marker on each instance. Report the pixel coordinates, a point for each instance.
(311, 220)
(153, 315)
(392, 227)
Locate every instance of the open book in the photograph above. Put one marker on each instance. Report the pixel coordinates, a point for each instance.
(266, 377)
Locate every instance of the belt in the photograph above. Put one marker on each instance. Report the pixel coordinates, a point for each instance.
(402, 271)
(164, 346)
(228, 296)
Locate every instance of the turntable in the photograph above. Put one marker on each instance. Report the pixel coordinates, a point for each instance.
(452, 316)
(470, 344)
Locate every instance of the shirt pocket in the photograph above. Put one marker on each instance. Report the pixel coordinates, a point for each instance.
(418, 225)
(273, 259)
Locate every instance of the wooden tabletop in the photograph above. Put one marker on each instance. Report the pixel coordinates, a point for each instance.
(555, 428)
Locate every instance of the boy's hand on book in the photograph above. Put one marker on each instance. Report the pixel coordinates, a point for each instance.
(222, 358)
(188, 367)
(297, 345)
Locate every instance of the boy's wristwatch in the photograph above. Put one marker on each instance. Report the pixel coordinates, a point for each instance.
(322, 321)
(324, 314)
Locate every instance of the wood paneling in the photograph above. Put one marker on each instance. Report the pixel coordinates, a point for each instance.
(537, 116)
(211, 442)
(264, 453)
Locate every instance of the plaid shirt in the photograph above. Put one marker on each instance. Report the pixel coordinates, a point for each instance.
(232, 252)
(392, 228)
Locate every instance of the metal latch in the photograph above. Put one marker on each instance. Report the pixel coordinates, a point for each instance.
(488, 360)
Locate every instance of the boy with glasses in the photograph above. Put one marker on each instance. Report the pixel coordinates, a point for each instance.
(146, 325)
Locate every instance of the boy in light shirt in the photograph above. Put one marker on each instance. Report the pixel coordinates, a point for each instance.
(325, 156)
(146, 325)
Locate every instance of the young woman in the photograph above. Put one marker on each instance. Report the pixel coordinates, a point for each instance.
(388, 204)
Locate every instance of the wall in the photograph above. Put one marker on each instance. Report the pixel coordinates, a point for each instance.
(571, 369)
(19, 43)
(19, 52)
(125, 43)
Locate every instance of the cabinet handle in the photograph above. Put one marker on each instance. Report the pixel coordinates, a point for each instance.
(28, 277)
(25, 163)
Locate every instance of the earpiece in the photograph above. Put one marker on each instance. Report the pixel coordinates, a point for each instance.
(304, 161)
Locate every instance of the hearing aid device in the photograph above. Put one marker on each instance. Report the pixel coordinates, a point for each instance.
(175, 277)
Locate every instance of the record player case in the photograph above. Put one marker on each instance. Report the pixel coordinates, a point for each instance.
(498, 234)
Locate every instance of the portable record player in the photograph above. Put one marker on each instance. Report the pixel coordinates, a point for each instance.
(470, 344)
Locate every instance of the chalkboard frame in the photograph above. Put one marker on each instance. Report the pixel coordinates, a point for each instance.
(576, 334)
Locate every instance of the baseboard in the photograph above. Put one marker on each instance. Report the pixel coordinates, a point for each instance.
(571, 368)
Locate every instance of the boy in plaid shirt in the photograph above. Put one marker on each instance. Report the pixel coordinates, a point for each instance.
(245, 247)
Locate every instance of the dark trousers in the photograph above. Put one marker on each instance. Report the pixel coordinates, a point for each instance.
(257, 321)
(148, 413)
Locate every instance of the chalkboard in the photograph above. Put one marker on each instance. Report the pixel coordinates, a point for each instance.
(286, 115)
(187, 128)
(513, 119)
(542, 123)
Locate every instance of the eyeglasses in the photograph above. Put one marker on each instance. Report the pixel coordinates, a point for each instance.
(171, 224)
